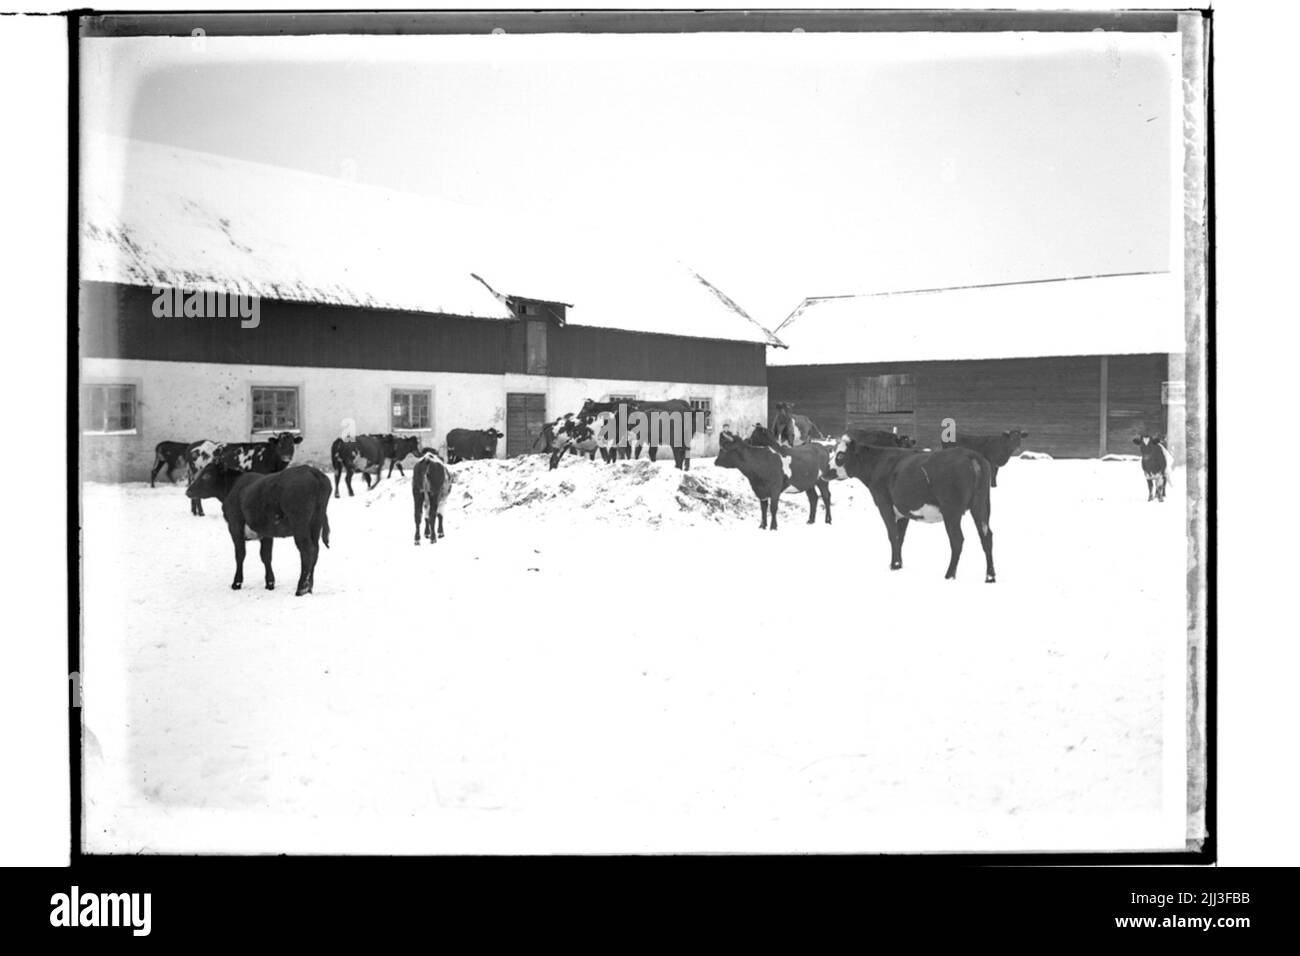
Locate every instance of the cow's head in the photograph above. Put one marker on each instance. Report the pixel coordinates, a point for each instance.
(904, 441)
(406, 445)
(730, 449)
(282, 445)
(761, 436)
(1014, 436)
(1146, 441)
(842, 458)
(588, 407)
(213, 481)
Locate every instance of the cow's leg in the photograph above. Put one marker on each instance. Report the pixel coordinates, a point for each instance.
(825, 488)
(196, 507)
(812, 505)
(1150, 489)
(895, 539)
(952, 521)
(419, 513)
(776, 500)
(238, 538)
(338, 473)
(441, 534)
(157, 467)
(307, 552)
(901, 527)
(347, 472)
(267, 543)
(651, 451)
(762, 504)
(994, 481)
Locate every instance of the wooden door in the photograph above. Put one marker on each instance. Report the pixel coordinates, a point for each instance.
(525, 415)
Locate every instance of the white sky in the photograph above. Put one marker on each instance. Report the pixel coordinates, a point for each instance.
(780, 165)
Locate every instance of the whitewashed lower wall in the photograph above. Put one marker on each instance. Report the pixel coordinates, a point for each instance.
(182, 401)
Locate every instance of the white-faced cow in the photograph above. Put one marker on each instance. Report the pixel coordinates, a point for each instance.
(997, 449)
(1155, 464)
(262, 507)
(909, 485)
(464, 444)
(366, 452)
(430, 483)
(772, 468)
(792, 429)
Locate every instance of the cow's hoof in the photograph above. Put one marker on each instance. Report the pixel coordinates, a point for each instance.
(417, 542)
(301, 591)
(990, 579)
(270, 585)
(896, 567)
(236, 586)
(811, 521)
(950, 577)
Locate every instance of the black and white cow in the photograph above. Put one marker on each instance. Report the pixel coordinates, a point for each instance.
(1155, 464)
(578, 435)
(366, 452)
(430, 483)
(262, 457)
(998, 449)
(464, 444)
(773, 468)
(908, 485)
(291, 503)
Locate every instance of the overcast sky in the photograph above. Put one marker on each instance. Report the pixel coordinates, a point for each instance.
(781, 166)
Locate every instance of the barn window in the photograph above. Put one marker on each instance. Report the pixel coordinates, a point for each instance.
(412, 410)
(704, 405)
(108, 409)
(622, 398)
(275, 409)
(880, 395)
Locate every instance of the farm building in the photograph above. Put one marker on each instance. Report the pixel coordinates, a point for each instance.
(399, 313)
(1083, 365)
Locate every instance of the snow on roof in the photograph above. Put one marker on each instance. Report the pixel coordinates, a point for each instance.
(1100, 315)
(161, 215)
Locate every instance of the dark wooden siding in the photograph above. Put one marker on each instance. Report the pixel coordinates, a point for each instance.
(1057, 400)
(585, 352)
(1133, 399)
(117, 321)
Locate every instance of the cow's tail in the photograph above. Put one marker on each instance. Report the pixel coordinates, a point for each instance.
(981, 496)
(323, 499)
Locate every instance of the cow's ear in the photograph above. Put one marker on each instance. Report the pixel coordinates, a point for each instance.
(297, 439)
(1137, 441)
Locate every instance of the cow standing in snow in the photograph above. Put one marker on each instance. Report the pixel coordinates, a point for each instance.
(430, 483)
(1155, 464)
(773, 468)
(261, 457)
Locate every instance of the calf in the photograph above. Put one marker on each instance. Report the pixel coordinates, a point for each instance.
(926, 486)
(464, 444)
(792, 429)
(262, 507)
(396, 448)
(430, 483)
(171, 455)
(200, 456)
(997, 449)
(772, 469)
(1155, 464)
(576, 435)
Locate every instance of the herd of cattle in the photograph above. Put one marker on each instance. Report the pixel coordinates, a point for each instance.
(262, 498)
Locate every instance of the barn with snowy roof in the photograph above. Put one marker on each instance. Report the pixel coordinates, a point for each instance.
(399, 313)
(1082, 364)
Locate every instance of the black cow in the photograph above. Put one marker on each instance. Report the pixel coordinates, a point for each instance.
(1155, 464)
(369, 451)
(670, 423)
(262, 507)
(792, 429)
(881, 438)
(772, 468)
(171, 455)
(262, 457)
(998, 449)
(430, 483)
(925, 486)
(464, 444)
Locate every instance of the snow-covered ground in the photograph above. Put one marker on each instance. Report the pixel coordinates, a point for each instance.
(615, 658)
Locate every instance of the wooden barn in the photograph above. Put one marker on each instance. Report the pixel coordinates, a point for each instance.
(1083, 365)
(399, 313)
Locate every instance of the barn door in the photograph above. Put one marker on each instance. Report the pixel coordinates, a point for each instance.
(881, 402)
(525, 415)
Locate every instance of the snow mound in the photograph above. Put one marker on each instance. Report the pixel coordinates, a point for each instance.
(1121, 457)
(1035, 456)
(633, 493)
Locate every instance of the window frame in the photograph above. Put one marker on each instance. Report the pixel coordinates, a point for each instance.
(708, 412)
(296, 387)
(393, 390)
(83, 408)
